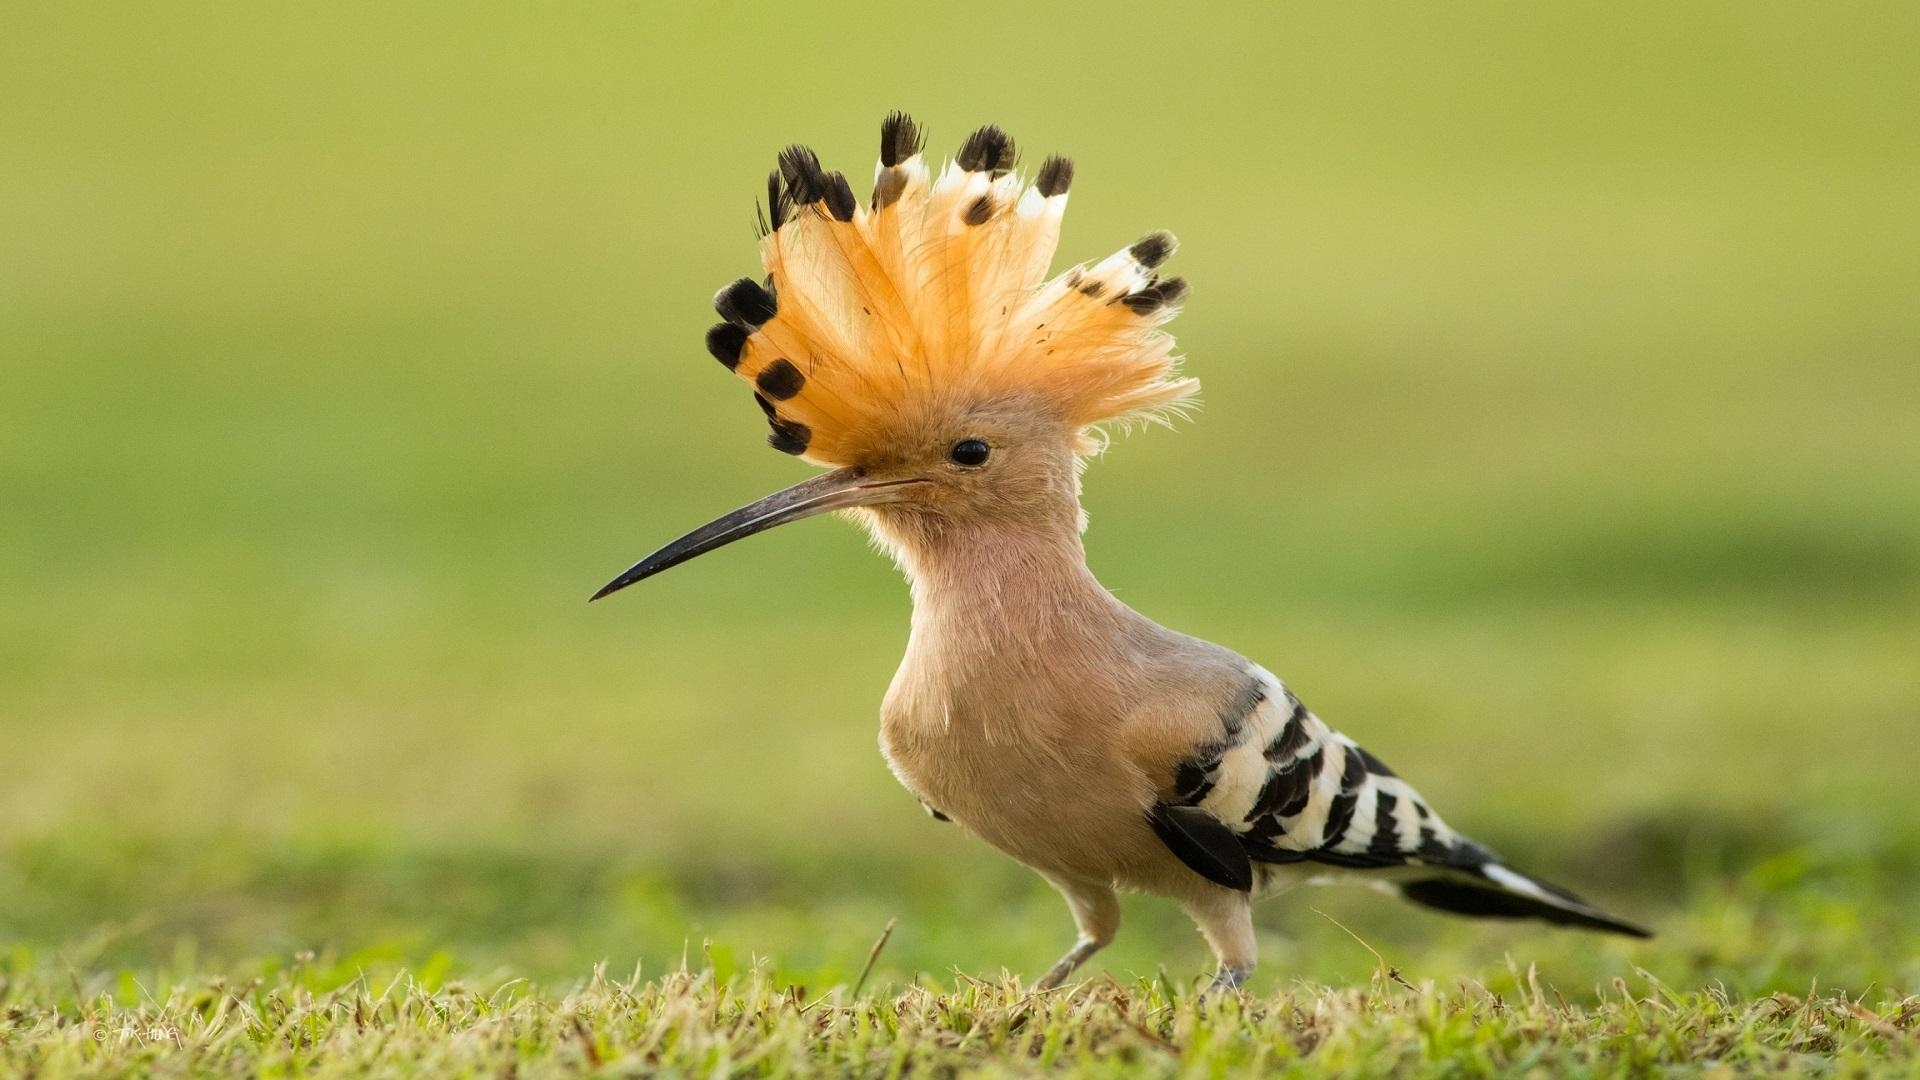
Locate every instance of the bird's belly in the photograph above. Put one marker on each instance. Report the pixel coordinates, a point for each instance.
(1059, 809)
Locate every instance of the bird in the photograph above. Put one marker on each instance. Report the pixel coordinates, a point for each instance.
(918, 347)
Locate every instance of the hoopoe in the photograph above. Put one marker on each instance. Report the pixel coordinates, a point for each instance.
(917, 346)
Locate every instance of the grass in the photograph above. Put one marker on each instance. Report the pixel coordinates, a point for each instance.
(417, 961)
(293, 1022)
(1558, 443)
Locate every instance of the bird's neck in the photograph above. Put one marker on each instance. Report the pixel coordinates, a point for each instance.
(1000, 596)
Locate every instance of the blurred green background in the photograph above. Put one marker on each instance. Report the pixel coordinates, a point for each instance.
(1562, 443)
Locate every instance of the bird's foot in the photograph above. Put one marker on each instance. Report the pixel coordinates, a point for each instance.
(1227, 980)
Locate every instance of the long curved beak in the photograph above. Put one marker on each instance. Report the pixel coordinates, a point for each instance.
(837, 490)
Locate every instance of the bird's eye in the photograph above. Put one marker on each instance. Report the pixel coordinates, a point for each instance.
(969, 452)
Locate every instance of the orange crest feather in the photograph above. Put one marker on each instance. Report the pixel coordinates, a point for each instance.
(935, 295)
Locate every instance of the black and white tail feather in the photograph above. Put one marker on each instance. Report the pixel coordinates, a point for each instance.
(1280, 797)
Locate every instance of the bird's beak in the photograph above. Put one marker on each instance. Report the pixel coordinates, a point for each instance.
(837, 490)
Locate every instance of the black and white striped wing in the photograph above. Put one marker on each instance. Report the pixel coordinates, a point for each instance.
(1294, 790)
(1291, 790)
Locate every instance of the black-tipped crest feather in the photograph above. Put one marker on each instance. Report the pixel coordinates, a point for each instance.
(988, 150)
(789, 436)
(1154, 248)
(724, 341)
(1056, 176)
(779, 203)
(745, 302)
(800, 168)
(900, 139)
(839, 197)
(1156, 295)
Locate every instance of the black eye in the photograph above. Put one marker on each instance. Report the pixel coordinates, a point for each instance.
(969, 452)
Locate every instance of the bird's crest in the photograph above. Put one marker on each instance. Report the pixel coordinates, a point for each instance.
(935, 295)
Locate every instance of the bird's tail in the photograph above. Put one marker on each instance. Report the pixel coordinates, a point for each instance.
(1492, 891)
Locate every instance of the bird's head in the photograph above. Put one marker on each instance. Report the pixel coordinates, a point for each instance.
(916, 346)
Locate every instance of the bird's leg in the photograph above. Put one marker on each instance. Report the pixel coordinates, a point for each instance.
(1225, 919)
(1065, 966)
(1097, 915)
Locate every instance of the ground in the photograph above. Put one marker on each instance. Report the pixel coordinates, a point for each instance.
(1558, 442)
(682, 1023)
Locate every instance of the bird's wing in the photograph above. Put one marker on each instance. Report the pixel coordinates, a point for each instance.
(1294, 790)
(1321, 797)
(1290, 789)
